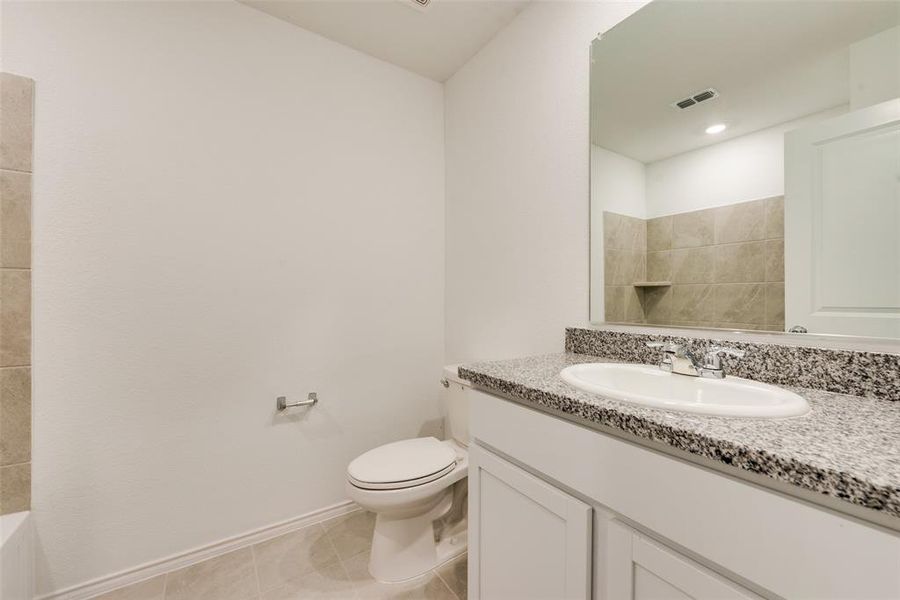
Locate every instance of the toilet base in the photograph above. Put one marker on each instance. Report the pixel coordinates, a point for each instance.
(404, 547)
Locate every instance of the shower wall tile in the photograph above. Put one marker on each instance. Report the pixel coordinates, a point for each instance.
(15, 318)
(15, 219)
(622, 232)
(775, 260)
(693, 265)
(16, 112)
(624, 264)
(775, 217)
(16, 148)
(740, 303)
(614, 303)
(15, 415)
(659, 266)
(659, 234)
(15, 488)
(693, 303)
(693, 229)
(658, 305)
(775, 306)
(740, 222)
(718, 261)
(739, 263)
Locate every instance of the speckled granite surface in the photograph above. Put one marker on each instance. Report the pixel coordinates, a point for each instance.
(868, 374)
(847, 447)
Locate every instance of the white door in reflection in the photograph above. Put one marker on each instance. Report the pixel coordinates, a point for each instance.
(842, 218)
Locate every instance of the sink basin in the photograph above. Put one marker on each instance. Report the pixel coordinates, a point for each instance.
(653, 387)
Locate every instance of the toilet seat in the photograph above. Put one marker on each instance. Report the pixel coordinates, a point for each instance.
(401, 465)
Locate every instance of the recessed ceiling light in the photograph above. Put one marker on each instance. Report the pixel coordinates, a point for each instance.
(717, 128)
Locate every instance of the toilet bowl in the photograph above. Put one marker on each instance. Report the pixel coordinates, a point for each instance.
(408, 485)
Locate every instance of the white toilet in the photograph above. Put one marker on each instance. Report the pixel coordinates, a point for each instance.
(408, 485)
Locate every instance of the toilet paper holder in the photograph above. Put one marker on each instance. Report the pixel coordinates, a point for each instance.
(281, 402)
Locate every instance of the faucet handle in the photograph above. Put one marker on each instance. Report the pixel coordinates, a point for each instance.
(668, 351)
(666, 346)
(713, 357)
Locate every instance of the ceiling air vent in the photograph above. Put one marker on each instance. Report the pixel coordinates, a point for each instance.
(697, 98)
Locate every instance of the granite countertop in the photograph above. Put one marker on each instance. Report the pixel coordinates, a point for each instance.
(846, 447)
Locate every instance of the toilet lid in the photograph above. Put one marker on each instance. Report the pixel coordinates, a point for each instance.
(402, 464)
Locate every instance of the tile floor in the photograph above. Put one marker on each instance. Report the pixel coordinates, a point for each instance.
(327, 560)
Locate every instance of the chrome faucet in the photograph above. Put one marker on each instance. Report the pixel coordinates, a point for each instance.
(678, 359)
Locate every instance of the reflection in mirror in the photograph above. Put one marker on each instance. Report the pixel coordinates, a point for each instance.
(745, 167)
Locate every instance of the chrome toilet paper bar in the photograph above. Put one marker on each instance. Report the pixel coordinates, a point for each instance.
(282, 404)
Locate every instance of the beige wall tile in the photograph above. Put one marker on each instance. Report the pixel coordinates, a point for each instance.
(15, 219)
(775, 260)
(740, 303)
(634, 310)
(659, 234)
(775, 217)
(15, 318)
(659, 266)
(775, 306)
(227, 577)
(740, 263)
(149, 589)
(15, 488)
(15, 415)
(622, 267)
(614, 303)
(741, 222)
(621, 232)
(692, 303)
(693, 229)
(693, 265)
(16, 117)
(613, 226)
(291, 555)
(658, 305)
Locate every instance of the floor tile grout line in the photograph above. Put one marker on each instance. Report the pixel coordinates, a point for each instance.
(444, 581)
(165, 584)
(256, 571)
(340, 559)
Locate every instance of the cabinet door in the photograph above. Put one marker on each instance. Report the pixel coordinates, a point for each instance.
(641, 569)
(527, 539)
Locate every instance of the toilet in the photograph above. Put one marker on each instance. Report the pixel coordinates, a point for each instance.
(409, 485)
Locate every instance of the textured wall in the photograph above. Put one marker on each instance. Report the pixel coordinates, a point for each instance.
(227, 209)
(518, 165)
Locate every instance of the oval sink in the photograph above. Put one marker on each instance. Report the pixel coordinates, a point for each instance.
(651, 386)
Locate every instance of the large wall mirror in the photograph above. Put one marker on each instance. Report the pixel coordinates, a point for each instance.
(745, 167)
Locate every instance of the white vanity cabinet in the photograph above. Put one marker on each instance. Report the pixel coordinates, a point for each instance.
(639, 568)
(535, 540)
(663, 528)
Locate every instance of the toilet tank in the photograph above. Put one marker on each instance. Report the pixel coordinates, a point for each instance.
(456, 406)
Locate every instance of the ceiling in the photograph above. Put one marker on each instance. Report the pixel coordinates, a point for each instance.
(771, 62)
(434, 42)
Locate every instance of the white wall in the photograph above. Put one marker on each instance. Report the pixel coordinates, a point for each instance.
(226, 208)
(517, 150)
(875, 69)
(745, 168)
(619, 181)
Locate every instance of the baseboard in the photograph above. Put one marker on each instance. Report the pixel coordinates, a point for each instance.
(108, 583)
